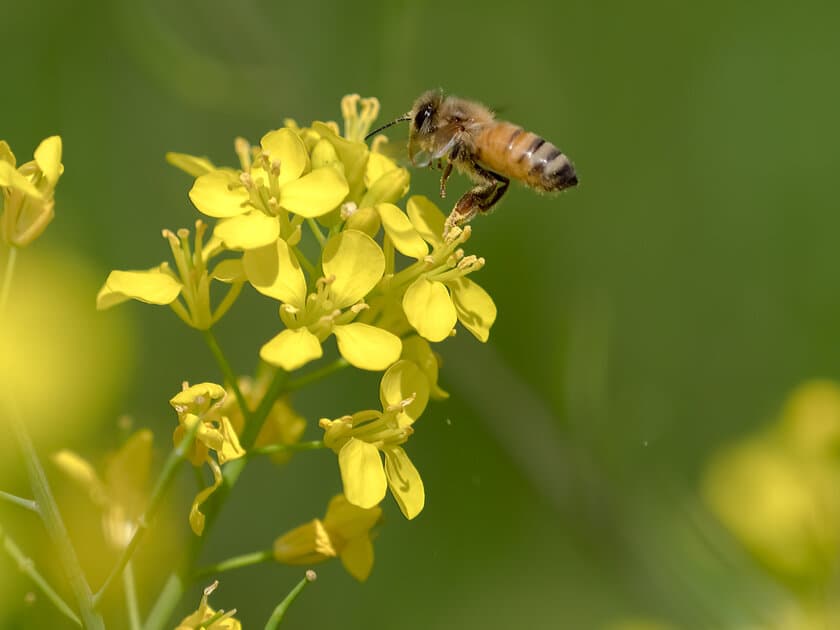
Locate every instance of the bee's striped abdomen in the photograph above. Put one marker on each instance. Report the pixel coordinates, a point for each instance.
(518, 154)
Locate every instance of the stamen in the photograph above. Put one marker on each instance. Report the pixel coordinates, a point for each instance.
(347, 209)
(243, 149)
(359, 307)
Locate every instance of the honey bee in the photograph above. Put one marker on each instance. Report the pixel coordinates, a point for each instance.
(467, 136)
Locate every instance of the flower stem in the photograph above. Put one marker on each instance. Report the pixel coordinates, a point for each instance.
(53, 522)
(279, 448)
(316, 231)
(27, 566)
(130, 589)
(316, 375)
(7, 278)
(227, 371)
(304, 261)
(237, 562)
(164, 480)
(282, 607)
(28, 504)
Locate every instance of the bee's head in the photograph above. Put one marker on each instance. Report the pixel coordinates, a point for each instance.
(424, 112)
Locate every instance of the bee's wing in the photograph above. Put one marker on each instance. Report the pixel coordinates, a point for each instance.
(420, 157)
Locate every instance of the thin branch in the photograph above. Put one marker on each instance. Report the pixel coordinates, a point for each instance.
(27, 504)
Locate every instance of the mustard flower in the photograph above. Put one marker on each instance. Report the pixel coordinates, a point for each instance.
(345, 531)
(353, 264)
(201, 403)
(358, 440)
(254, 202)
(190, 280)
(121, 494)
(198, 620)
(28, 191)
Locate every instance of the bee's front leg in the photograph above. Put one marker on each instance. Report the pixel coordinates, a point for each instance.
(480, 199)
(447, 171)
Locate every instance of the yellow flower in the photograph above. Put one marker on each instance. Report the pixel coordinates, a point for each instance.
(359, 439)
(161, 285)
(123, 492)
(253, 203)
(345, 532)
(353, 264)
(198, 620)
(200, 404)
(29, 191)
(282, 424)
(777, 490)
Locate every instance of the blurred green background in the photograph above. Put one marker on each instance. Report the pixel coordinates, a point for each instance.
(664, 307)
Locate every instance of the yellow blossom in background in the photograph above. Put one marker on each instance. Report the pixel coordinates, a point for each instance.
(122, 493)
(29, 191)
(199, 404)
(198, 620)
(345, 531)
(359, 439)
(190, 280)
(352, 263)
(777, 490)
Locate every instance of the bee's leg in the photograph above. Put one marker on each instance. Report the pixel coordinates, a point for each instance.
(447, 171)
(478, 200)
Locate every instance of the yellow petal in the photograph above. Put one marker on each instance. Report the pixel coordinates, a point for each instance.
(274, 271)
(426, 218)
(229, 271)
(353, 155)
(405, 482)
(364, 220)
(248, 231)
(357, 264)
(153, 287)
(357, 558)
(387, 189)
(305, 544)
(81, 472)
(127, 473)
(323, 154)
(6, 154)
(377, 166)
(12, 178)
(230, 448)
(348, 520)
(292, 349)
(397, 226)
(367, 347)
(219, 194)
(314, 194)
(362, 474)
(418, 350)
(48, 158)
(286, 147)
(196, 518)
(402, 381)
(476, 309)
(199, 394)
(429, 309)
(190, 164)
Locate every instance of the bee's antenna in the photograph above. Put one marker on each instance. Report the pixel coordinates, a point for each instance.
(390, 124)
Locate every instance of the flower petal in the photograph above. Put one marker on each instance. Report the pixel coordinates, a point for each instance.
(357, 558)
(286, 147)
(418, 350)
(314, 194)
(426, 218)
(229, 270)
(190, 164)
(356, 262)
(348, 520)
(364, 220)
(306, 544)
(378, 165)
(48, 158)
(367, 347)
(353, 155)
(219, 194)
(428, 307)
(387, 189)
(12, 178)
(153, 287)
(196, 518)
(476, 309)
(362, 474)
(291, 349)
(274, 271)
(248, 231)
(82, 473)
(405, 482)
(402, 233)
(402, 381)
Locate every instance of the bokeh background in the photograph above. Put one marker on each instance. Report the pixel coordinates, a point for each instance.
(661, 311)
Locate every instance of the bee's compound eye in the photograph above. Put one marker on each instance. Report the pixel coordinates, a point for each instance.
(422, 116)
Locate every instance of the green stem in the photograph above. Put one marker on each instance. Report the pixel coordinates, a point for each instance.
(53, 522)
(28, 504)
(316, 375)
(304, 261)
(316, 231)
(237, 562)
(27, 566)
(7, 278)
(166, 602)
(130, 589)
(228, 373)
(282, 607)
(252, 429)
(278, 448)
(164, 480)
